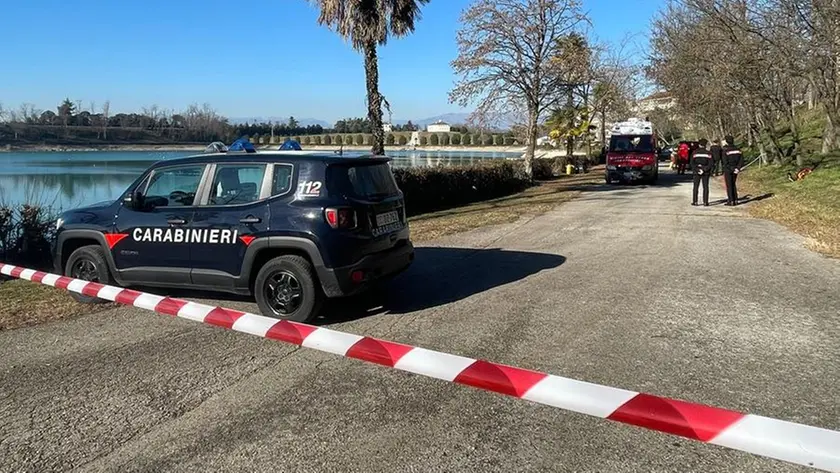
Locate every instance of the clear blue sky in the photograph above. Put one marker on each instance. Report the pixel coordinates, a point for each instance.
(265, 59)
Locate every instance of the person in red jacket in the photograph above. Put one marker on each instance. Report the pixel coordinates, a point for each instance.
(682, 157)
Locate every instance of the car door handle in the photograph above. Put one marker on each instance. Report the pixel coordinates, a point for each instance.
(250, 219)
(176, 221)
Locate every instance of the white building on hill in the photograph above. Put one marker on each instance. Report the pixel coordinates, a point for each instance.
(386, 127)
(438, 127)
(658, 101)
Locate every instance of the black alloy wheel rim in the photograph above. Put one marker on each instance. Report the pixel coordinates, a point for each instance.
(283, 293)
(85, 270)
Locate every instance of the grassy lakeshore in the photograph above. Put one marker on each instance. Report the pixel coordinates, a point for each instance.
(810, 207)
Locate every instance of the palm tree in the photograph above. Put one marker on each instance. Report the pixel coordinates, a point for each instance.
(368, 24)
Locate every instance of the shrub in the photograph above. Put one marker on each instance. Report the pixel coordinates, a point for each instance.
(455, 139)
(360, 139)
(423, 140)
(327, 140)
(339, 140)
(444, 139)
(428, 189)
(403, 140)
(467, 139)
(389, 139)
(434, 140)
(25, 235)
(486, 140)
(543, 168)
(498, 140)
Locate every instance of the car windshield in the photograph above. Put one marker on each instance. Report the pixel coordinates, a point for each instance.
(368, 180)
(631, 144)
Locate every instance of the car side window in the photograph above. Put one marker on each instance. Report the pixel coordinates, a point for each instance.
(174, 187)
(281, 182)
(236, 184)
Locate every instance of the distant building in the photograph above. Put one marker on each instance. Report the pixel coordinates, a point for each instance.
(659, 101)
(439, 127)
(386, 127)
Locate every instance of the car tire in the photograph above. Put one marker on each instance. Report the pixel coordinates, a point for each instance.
(88, 263)
(303, 297)
(609, 180)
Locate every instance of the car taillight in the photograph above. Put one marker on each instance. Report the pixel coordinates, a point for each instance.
(343, 218)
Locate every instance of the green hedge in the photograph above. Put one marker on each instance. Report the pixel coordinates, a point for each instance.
(435, 188)
(25, 235)
(401, 138)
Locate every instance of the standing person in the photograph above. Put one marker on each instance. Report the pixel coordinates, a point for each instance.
(702, 165)
(733, 161)
(717, 155)
(682, 156)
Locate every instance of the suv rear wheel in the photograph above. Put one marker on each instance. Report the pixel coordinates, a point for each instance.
(88, 264)
(286, 288)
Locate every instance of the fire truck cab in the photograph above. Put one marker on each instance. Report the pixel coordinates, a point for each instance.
(632, 152)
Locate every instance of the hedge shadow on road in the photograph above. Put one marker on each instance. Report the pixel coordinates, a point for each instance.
(439, 276)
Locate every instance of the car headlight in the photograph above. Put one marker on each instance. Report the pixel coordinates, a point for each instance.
(647, 168)
(611, 167)
(59, 223)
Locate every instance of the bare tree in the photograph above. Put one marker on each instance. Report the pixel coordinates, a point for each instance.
(505, 52)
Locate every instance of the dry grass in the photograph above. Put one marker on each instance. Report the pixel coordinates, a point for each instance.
(24, 303)
(533, 201)
(810, 207)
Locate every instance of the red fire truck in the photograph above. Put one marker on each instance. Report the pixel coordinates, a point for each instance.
(632, 152)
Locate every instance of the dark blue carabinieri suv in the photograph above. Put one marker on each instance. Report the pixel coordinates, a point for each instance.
(290, 228)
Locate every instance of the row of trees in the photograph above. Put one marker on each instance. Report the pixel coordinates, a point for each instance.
(528, 61)
(744, 67)
(196, 123)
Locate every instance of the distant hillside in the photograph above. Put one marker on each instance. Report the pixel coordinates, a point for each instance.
(460, 118)
(451, 118)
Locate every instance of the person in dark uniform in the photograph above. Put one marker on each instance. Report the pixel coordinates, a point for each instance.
(733, 161)
(717, 155)
(702, 166)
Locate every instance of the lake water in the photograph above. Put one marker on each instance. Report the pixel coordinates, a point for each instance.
(70, 179)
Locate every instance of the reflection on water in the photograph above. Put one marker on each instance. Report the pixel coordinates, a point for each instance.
(71, 179)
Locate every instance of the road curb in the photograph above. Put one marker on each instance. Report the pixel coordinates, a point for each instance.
(787, 441)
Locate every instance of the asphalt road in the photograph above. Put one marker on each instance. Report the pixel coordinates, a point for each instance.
(627, 286)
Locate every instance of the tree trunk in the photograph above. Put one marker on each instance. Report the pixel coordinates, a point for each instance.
(830, 132)
(531, 139)
(374, 99)
(603, 129)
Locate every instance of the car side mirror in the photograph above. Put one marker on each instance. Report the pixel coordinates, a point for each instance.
(134, 200)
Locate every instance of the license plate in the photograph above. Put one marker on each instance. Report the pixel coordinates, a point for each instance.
(387, 218)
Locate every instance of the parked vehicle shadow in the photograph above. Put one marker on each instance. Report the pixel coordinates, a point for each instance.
(439, 276)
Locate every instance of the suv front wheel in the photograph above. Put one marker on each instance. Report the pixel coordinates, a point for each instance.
(88, 264)
(286, 288)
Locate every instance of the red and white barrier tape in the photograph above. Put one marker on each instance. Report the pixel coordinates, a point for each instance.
(796, 443)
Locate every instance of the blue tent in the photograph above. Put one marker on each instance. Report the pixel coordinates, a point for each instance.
(242, 144)
(290, 144)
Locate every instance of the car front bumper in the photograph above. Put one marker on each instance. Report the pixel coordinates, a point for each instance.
(621, 173)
